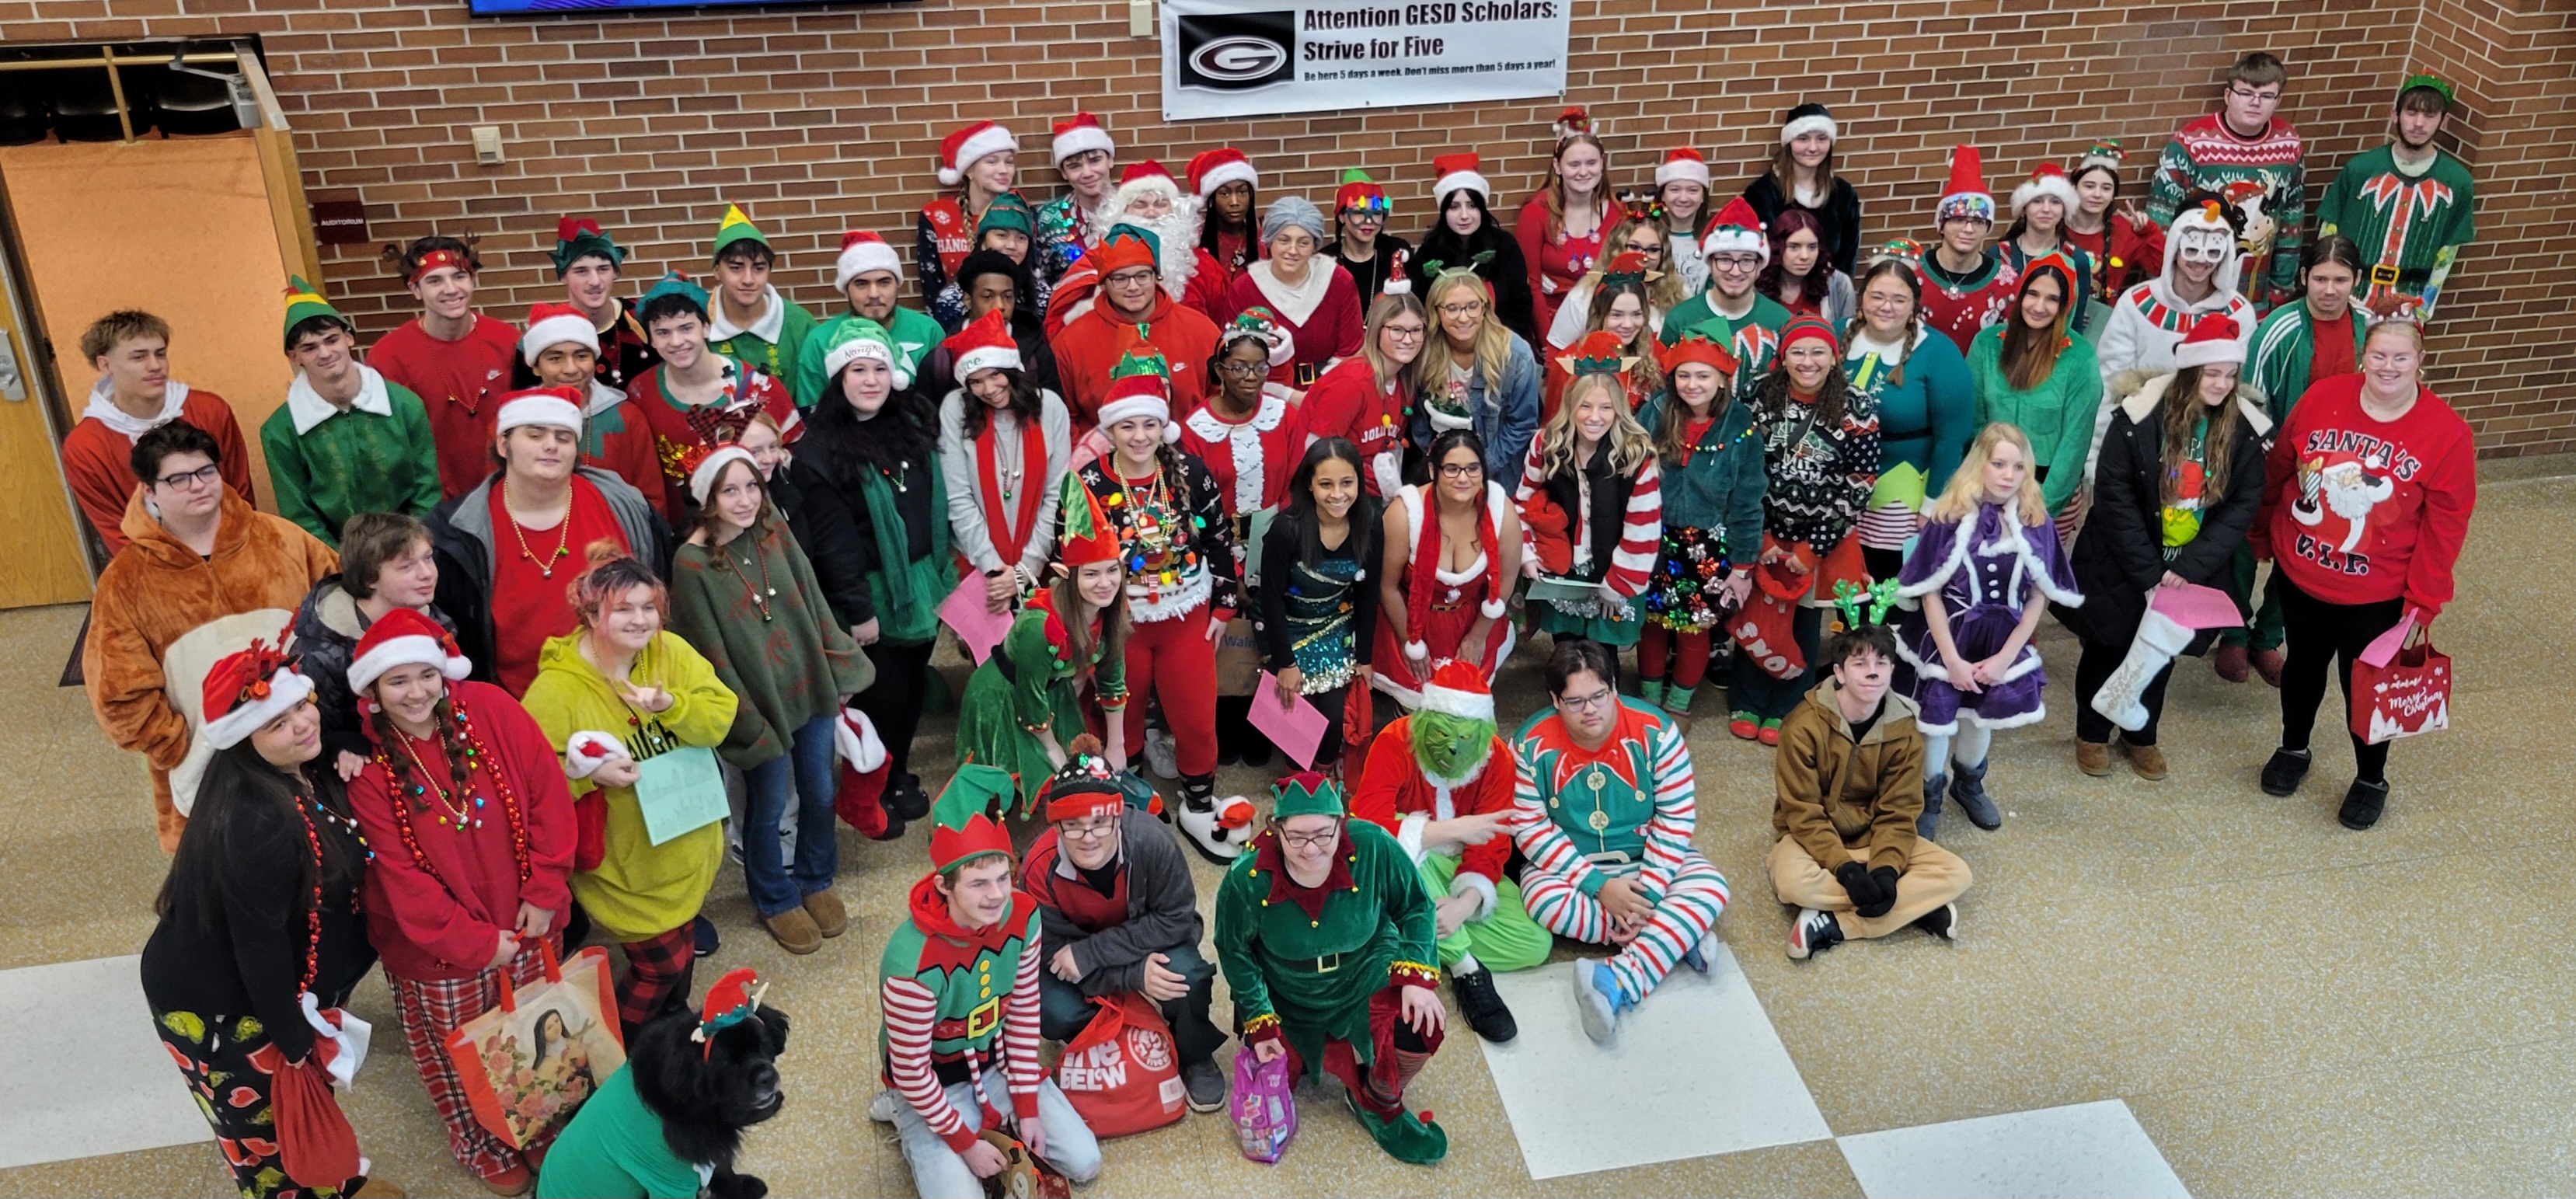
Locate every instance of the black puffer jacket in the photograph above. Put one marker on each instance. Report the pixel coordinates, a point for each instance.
(2119, 556)
(327, 627)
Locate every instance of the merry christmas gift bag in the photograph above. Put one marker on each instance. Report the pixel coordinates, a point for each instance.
(2400, 690)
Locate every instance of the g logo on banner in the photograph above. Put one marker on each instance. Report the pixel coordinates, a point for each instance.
(1237, 52)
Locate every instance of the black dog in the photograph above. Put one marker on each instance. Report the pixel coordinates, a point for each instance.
(707, 1092)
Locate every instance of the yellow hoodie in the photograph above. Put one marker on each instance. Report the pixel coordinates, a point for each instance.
(641, 890)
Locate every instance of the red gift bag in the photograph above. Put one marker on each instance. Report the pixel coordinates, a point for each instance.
(1121, 1072)
(314, 1140)
(2400, 690)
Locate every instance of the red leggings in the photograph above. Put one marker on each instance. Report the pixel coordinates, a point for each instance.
(1692, 649)
(1173, 660)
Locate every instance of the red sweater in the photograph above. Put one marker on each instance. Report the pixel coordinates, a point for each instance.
(1555, 264)
(455, 380)
(443, 920)
(1347, 403)
(1393, 787)
(1253, 458)
(2358, 510)
(676, 430)
(98, 463)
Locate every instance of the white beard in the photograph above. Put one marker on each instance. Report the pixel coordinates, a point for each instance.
(1178, 232)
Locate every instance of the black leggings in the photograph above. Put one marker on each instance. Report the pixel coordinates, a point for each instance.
(1755, 691)
(2092, 669)
(2322, 634)
(893, 702)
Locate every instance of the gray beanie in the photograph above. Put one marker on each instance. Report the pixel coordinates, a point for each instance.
(1292, 210)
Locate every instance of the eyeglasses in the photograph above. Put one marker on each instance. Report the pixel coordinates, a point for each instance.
(190, 479)
(1243, 369)
(2255, 96)
(1736, 262)
(1470, 308)
(1086, 832)
(1403, 332)
(1322, 840)
(1130, 278)
(1461, 470)
(1579, 703)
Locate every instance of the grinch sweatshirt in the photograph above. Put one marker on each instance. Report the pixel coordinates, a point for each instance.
(2358, 510)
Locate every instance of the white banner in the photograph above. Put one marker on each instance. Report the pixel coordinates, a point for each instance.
(1237, 58)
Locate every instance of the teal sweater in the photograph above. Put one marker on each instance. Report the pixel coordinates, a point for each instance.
(1929, 417)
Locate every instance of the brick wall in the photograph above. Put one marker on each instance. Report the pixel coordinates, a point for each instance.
(818, 120)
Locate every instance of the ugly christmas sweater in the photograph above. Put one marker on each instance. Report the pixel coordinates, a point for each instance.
(2207, 156)
(1821, 476)
(1960, 305)
(1178, 543)
(456, 381)
(2358, 510)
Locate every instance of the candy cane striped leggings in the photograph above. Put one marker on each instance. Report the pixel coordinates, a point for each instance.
(1687, 905)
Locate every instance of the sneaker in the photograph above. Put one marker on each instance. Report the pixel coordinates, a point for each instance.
(831, 917)
(2268, 663)
(794, 931)
(1745, 725)
(1770, 734)
(882, 1108)
(2363, 803)
(1812, 933)
(2288, 767)
(1160, 757)
(1483, 1006)
(1592, 999)
(1696, 957)
(2232, 663)
(702, 932)
(2093, 757)
(1205, 1086)
(1942, 922)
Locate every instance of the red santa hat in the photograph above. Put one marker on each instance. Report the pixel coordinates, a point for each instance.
(864, 769)
(1212, 169)
(1140, 178)
(861, 252)
(405, 638)
(1457, 171)
(732, 1000)
(1965, 195)
(1140, 385)
(984, 344)
(552, 407)
(1080, 134)
(1459, 689)
(586, 752)
(960, 149)
(554, 325)
(2213, 339)
(2049, 180)
(1736, 231)
(1682, 165)
(249, 688)
(706, 465)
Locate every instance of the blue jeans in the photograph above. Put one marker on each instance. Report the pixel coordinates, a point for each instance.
(806, 770)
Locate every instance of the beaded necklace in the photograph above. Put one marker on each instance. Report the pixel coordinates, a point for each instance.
(563, 534)
(308, 803)
(760, 595)
(477, 756)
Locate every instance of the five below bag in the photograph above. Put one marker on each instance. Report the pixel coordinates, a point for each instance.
(530, 1062)
(2400, 690)
(1121, 1073)
(1265, 1106)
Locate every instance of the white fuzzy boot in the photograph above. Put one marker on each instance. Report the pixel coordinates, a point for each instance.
(2159, 639)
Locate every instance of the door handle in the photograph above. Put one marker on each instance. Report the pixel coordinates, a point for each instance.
(13, 384)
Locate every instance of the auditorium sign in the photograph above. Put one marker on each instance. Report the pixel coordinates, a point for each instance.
(1239, 58)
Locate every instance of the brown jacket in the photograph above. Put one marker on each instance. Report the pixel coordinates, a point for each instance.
(155, 590)
(1846, 802)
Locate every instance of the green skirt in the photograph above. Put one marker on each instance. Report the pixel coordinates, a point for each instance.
(989, 732)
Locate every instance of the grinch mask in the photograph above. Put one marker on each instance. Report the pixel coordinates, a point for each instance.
(1450, 749)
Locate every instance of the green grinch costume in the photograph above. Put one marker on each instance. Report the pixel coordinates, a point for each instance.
(1323, 968)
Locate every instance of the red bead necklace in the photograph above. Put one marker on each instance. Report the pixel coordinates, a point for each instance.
(477, 756)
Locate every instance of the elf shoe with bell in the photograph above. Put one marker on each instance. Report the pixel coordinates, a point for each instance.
(1217, 827)
(1407, 1138)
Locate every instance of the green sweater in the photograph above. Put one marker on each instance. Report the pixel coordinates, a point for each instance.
(614, 1149)
(353, 460)
(2057, 415)
(787, 664)
(915, 333)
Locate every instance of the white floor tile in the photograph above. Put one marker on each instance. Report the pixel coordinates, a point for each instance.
(2076, 1152)
(1696, 1070)
(81, 1071)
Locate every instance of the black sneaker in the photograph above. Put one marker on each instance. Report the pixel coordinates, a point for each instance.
(1483, 1006)
(1942, 922)
(2362, 804)
(2281, 775)
(1205, 1085)
(905, 800)
(1812, 933)
(702, 932)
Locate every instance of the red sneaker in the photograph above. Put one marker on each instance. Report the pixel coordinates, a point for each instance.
(1771, 731)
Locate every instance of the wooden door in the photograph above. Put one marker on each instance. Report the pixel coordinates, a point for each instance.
(41, 561)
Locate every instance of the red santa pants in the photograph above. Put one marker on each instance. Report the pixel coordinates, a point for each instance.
(1173, 660)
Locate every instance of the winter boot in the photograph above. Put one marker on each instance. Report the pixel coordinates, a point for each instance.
(1968, 786)
(1928, 825)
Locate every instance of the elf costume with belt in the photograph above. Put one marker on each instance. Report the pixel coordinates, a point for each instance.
(1030, 689)
(1624, 809)
(1322, 968)
(2408, 220)
(958, 1000)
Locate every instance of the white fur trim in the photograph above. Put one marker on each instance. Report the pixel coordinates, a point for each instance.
(554, 331)
(2206, 353)
(286, 688)
(404, 651)
(348, 1035)
(1131, 407)
(992, 139)
(1463, 883)
(1808, 124)
(1419, 651)
(855, 742)
(1244, 442)
(862, 258)
(1721, 239)
(2044, 185)
(1081, 139)
(1472, 705)
(579, 765)
(1225, 173)
(1493, 609)
(1408, 834)
(550, 411)
(985, 358)
(1454, 180)
(1682, 170)
(863, 347)
(703, 479)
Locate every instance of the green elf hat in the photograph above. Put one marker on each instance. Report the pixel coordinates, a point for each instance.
(304, 302)
(733, 228)
(2429, 80)
(579, 237)
(1305, 794)
(673, 283)
(858, 337)
(966, 819)
(1140, 385)
(1008, 211)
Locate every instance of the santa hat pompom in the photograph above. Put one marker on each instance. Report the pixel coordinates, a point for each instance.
(586, 752)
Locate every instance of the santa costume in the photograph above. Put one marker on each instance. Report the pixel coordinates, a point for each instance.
(1441, 605)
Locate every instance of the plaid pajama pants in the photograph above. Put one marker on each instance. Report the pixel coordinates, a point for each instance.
(1687, 905)
(431, 1011)
(657, 976)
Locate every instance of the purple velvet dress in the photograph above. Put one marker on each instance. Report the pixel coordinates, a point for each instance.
(1984, 568)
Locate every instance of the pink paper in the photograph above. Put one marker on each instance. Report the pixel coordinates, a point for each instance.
(1297, 729)
(2196, 607)
(976, 623)
(2383, 649)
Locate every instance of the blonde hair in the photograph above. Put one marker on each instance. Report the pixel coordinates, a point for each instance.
(1648, 374)
(2399, 327)
(1664, 291)
(1967, 487)
(1493, 341)
(1629, 443)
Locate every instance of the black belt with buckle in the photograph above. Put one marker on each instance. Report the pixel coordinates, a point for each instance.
(1327, 964)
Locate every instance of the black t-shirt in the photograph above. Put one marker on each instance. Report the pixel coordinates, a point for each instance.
(1861, 727)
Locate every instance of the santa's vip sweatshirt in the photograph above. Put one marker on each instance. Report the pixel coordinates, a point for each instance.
(2358, 510)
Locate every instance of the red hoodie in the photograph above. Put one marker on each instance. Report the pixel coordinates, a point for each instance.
(1092, 343)
(2358, 510)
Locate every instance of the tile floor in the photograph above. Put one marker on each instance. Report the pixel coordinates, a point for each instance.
(2162, 988)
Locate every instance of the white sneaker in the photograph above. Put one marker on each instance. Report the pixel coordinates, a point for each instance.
(1160, 757)
(881, 1109)
(1600, 1016)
